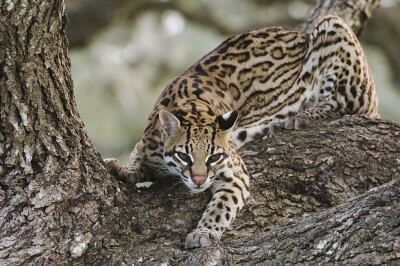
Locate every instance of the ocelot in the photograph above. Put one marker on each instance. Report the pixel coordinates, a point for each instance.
(250, 84)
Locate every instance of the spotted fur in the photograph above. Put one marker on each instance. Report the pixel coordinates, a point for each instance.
(251, 83)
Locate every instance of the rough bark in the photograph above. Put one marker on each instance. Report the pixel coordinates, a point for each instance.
(53, 185)
(58, 203)
(299, 179)
(364, 231)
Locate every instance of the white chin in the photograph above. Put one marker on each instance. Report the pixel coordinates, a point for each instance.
(198, 189)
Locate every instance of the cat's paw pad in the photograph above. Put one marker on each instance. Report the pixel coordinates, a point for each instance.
(201, 238)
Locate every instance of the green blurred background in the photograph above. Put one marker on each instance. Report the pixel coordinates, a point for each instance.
(124, 52)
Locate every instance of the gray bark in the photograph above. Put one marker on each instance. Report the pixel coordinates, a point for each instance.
(53, 185)
(363, 231)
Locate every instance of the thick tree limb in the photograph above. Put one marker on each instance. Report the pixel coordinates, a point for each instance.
(365, 230)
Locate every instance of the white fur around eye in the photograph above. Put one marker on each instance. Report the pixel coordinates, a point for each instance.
(217, 161)
(181, 159)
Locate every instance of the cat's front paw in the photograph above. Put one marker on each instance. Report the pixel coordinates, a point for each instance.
(113, 166)
(201, 238)
(133, 173)
(297, 122)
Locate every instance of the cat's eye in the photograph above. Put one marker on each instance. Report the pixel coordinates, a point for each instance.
(214, 159)
(183, 157)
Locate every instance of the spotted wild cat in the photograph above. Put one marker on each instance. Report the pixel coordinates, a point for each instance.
(251, 83)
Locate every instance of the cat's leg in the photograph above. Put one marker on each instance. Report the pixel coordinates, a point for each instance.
(323, 107)
(245, 134)
(335, 74)
(230, 191)
(133, 172)
(304, 118)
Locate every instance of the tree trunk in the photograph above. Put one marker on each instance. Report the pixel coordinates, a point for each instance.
(53, 186)
(58, 203)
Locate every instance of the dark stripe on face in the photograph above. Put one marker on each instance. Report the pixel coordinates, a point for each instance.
(187, 168)
(214, 132)
(183, 176)
(169, 153)
(210, 169)
(157, 154)
(187, 140)
(172, 164)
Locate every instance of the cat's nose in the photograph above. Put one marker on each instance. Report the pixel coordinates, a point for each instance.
(199, 179)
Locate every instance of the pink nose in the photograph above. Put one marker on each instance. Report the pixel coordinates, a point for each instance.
(199, 179)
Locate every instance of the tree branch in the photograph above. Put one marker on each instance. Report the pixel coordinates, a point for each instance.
(363, 231)
(354, 12)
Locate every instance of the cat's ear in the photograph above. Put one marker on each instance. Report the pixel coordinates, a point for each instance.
(169, 122)
(227, 121)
